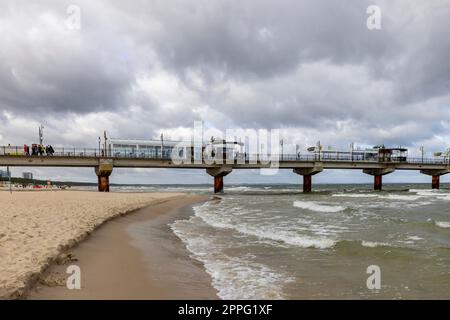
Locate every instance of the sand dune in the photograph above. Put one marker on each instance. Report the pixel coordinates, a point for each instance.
(36, 226)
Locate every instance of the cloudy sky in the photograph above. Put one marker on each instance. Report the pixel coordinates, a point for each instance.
(311, 68)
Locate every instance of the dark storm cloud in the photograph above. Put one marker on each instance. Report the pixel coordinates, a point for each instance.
(426, 71)
(265, 38)
(144, 66)
(382, 78)
(46, 67)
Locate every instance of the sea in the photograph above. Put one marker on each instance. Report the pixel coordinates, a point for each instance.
(337, 242)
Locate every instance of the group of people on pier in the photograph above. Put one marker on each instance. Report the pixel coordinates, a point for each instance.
(38, 150)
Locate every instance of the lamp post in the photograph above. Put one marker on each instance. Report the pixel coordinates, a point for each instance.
(421, 150)
(318, 148)
(41, 135)
(281, 142)
(352, 146)
(162, 145)
(9, 177)
(106, 145)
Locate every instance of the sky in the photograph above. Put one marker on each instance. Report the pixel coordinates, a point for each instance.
(311, 68)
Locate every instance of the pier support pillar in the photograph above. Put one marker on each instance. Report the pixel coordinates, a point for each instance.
(103, 171)
(307, 174)
(218, 173)
(435, 176)
(103, 183)
(377, 182)
(435, 182)
(307, 183)
(218, 184)
(377, 176)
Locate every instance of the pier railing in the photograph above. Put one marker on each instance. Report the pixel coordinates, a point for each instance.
(152, 155)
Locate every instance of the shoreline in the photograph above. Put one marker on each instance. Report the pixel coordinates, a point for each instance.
(35, 228)
(134, 256)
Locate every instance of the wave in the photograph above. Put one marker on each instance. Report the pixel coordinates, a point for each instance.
(314, 206)
(440, 194)
(233, 277)
(241, 188)
(355, 195)
(400, 197)
(263, 232)
(374, 244)
(236, 278)
(380, 196)
(414, 238)
(442, 224)
(424, 191)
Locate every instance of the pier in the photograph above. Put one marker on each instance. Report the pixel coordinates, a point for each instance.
(307, 165)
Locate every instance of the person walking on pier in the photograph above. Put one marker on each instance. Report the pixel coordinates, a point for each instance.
(49, 150)
(41, 150)
(34, 150)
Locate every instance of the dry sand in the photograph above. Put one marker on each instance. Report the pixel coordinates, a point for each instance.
(35, 227)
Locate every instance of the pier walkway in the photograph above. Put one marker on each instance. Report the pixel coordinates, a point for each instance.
(306, 165)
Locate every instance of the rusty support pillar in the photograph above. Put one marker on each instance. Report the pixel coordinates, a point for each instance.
(307, 174)
(218, 184)
(377, 182)
(103, 183)
(377, 176)
(103, 171)
(307, 183)
(218, 173)
(435, 176)
(435, 182)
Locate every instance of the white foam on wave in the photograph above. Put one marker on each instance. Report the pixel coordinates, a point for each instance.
(374, 244)
(263, 232)
(400, 197)
(424, 191)
(240, 188)
(414, 238)
(236, 278)
(431, 192)
(233, 277)
(314, 206)
(442, 224)
(380, 196)
(355, 195)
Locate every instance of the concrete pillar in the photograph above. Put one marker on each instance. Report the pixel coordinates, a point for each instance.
(218, 184)
(103, 171)
(435, 182)
(307, 183)
(377, 182)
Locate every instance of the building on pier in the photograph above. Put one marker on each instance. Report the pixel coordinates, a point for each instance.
(166, 149)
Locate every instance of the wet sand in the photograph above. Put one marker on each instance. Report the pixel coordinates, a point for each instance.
(135, 256)
(36, 227)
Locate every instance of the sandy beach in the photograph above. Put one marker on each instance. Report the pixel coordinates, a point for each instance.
(37, 227)
(135, 256)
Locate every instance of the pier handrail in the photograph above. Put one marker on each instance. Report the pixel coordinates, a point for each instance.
(78, 152)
